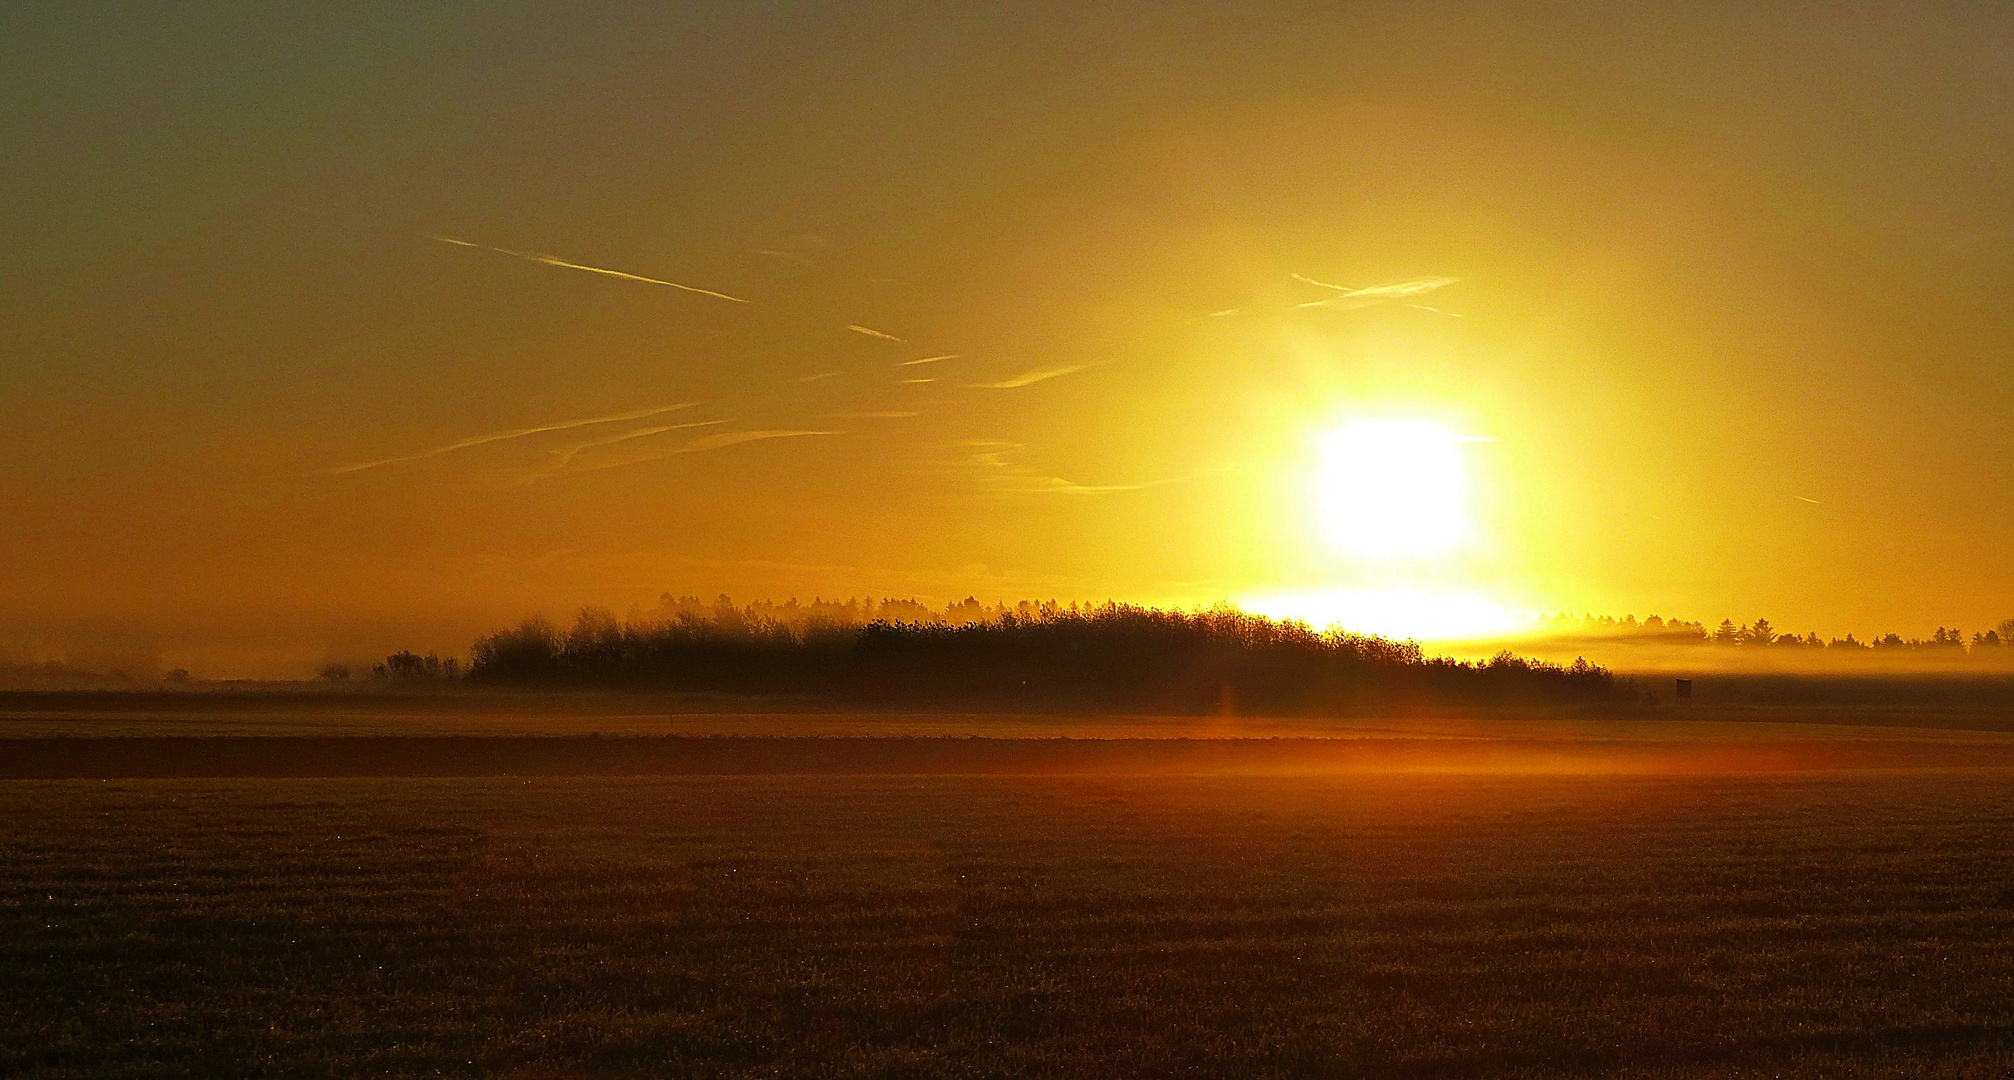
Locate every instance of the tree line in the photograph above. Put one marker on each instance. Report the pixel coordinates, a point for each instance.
(1034, 655)
(1760, 633)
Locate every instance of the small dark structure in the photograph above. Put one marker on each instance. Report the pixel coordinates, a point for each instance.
(1684, 689)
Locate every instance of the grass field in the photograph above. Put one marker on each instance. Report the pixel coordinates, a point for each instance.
(1837, 924)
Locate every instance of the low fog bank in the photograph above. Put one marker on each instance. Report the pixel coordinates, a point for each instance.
(1676, 648)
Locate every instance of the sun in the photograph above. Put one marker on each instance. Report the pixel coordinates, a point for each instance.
(1392, 489)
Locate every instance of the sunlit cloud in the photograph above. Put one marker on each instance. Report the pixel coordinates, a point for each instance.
(502, 436)
(1351, 299)
(554, 260)
(819, 376)
(927, 360)
(787, 256)
(873, 333)
(891, 414)
(699, 446)
(912, 382)
(1029, 378)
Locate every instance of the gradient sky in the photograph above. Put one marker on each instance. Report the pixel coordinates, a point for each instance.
(1731, 308)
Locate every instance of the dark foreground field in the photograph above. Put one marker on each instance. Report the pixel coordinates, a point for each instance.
(1814, 923)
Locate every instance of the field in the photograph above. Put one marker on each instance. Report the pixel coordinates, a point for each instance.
(1426, 898)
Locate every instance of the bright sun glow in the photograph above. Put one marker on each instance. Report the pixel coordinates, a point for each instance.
(1393, 613)
(1391, 488)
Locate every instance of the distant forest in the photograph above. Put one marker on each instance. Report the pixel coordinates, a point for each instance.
(1028, 655)
(1953, 642)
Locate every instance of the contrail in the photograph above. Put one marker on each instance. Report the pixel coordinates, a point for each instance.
(1028, 378)
(928, 360)
(554, 260)
(500, 436)
(871, 332)
(561, 458)
(1303, 278)
(710, 442)
(991, 467)
(820, 375)
(1349, 299)
(1813, 502)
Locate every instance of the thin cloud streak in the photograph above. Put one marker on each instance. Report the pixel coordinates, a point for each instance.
(1351, 299)
(698, 446)
(989, 466)
(564, 456)
(820, 375)
(1029, 378)
(928, 360)
(554, 260)
(873, 333)
(892, 414)
(502, 436)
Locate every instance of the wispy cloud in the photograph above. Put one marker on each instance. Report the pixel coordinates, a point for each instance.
(699, 446)
(928, 360)
(787, 256)
(564, 456)
(820, 375)
(554, 260)
(1029, 378)
(991, 465)
(1350, 299)
(501, 436)
(873, 333)
(892, 414)
(912, 382)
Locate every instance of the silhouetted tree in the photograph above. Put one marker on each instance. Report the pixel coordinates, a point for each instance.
(412, 667)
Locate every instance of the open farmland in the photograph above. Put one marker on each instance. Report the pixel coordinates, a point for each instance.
(1801, 920)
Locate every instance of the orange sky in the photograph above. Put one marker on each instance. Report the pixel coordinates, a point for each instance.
(1730, 307)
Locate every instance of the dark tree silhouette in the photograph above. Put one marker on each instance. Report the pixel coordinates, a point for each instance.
(1114, 656)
